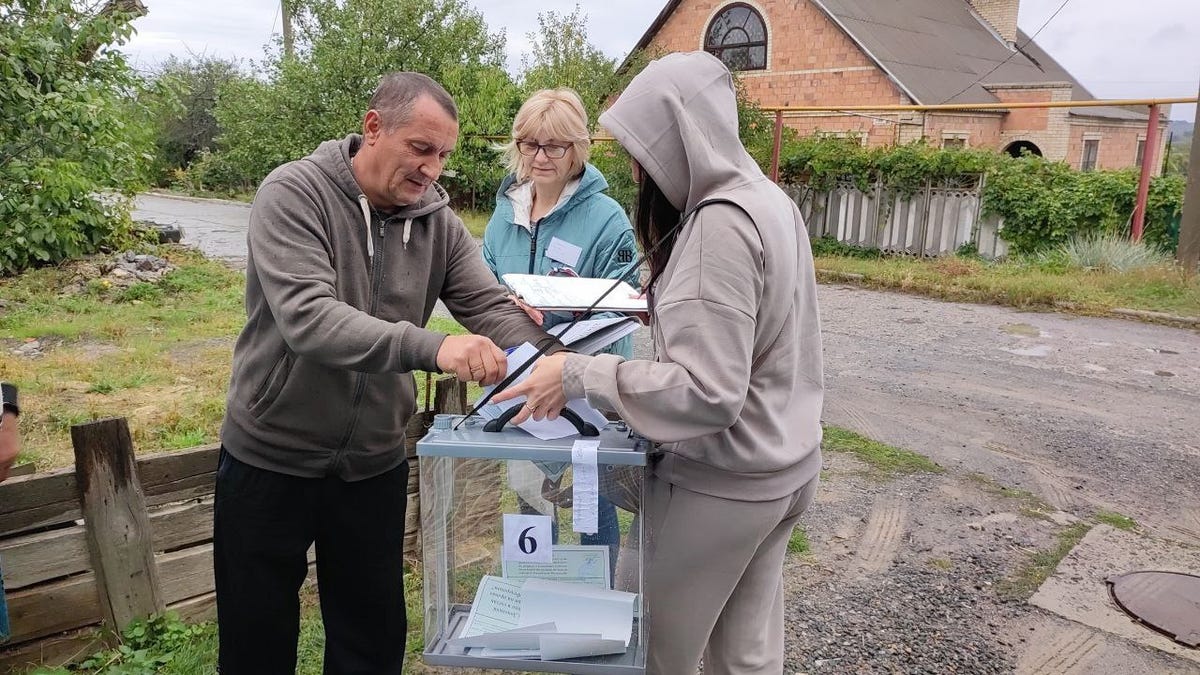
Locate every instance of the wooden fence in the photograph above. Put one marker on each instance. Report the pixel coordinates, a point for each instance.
(119, 537)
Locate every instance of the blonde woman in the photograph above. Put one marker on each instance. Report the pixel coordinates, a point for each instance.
(552, 217)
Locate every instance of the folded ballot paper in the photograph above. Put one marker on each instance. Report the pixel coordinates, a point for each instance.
(543, 429)
(575, 294)
(550, 620)
(592, 336)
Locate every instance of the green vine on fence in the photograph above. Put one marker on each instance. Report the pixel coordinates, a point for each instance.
(1043, 203)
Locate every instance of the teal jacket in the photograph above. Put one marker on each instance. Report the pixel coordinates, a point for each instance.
(590, 220)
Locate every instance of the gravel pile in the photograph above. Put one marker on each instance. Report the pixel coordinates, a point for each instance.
(909, 621)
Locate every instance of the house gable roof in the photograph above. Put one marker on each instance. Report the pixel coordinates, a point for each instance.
(939, 51)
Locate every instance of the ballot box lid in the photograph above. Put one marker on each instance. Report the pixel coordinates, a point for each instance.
(617, 444)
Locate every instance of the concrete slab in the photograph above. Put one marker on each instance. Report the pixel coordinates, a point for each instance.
(1077, 591)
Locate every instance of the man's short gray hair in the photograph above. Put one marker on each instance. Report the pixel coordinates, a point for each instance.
(398, 92)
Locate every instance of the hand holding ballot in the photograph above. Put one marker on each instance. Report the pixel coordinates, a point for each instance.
(541, 388)
(473, 358)
(547, 425)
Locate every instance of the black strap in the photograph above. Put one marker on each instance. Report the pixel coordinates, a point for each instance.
(511, 377)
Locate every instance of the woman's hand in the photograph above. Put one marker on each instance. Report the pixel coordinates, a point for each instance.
(543, 390)
(535, 315)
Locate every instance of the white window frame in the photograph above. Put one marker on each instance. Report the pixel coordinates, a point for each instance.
(949, 135)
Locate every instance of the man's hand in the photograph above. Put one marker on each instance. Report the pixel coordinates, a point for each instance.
(542, 388)
(472, 358)
(10, 444)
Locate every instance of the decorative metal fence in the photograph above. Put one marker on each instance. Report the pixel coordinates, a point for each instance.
(935, 220)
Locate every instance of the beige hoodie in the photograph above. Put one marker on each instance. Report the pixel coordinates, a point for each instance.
(734, 395)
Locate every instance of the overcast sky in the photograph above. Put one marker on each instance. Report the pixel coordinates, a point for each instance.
(1117, 48)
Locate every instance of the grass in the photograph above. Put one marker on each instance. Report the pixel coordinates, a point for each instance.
(1023, 284)
(157, 354)
(884, 460)
(1041, 564)
(476, 221)
(798, 542)
(1030, 505)
(1117, 520)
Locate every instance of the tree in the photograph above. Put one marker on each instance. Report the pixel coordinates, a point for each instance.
(342, 48)
(73, 138)
(182, 103)
(563, 57)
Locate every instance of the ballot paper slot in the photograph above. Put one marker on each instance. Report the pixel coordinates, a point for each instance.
(617, 445)
(441, 653)
(532, 549)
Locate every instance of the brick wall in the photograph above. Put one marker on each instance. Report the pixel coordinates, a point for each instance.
(981, 130)
(1047, 128)
(1118, 143)
(810, 61)
(1001, 14)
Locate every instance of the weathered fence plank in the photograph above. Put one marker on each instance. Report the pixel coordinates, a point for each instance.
(34, 558)
(182, 524)
(52, 608)
(39, 500)
(118, 526)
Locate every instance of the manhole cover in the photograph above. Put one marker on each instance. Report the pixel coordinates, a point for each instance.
(1168, 602)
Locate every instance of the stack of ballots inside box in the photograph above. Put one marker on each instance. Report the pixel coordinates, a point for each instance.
(543, 619)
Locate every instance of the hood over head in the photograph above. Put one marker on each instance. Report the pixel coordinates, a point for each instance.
(678, 119)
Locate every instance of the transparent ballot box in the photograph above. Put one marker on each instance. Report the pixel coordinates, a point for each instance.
(532, 548)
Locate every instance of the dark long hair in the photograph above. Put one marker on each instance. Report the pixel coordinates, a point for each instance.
(652, 220)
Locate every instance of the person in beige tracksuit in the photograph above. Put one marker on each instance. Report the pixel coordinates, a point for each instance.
(733, 396)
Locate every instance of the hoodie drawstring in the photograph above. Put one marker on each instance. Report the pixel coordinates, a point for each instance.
(366, 212)
(407, 231)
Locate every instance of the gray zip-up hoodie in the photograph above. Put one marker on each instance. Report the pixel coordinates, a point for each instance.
(336, 300)
(735, 393)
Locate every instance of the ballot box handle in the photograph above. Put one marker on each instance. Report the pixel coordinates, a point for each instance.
(583, 427)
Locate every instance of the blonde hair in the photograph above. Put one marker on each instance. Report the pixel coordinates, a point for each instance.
(557, 113)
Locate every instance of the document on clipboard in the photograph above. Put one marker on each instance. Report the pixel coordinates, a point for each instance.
(594, 335)
(575, 294)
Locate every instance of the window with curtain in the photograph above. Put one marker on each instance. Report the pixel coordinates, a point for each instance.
(738, 36)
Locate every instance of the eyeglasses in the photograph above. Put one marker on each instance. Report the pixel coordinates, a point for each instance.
(552, 150)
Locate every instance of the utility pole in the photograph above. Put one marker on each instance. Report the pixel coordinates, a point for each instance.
(1188, 253)
(286, 12)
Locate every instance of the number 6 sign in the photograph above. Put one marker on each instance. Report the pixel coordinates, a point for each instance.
(527, 538)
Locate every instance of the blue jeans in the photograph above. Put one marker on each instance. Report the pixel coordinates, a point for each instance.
(4, 630)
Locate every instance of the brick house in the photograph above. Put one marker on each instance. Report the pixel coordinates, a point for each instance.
(907, 52)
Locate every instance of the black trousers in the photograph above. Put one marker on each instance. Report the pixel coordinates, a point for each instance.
(264, 523)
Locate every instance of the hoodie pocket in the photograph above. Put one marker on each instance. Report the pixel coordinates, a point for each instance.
(272, 385)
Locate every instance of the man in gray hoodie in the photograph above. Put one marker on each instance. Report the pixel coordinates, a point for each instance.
(349, 250)
(734, 394)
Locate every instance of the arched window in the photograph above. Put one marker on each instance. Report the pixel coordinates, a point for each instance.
(738, 36)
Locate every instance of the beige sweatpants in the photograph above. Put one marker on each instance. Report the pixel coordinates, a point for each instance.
(714, 580)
